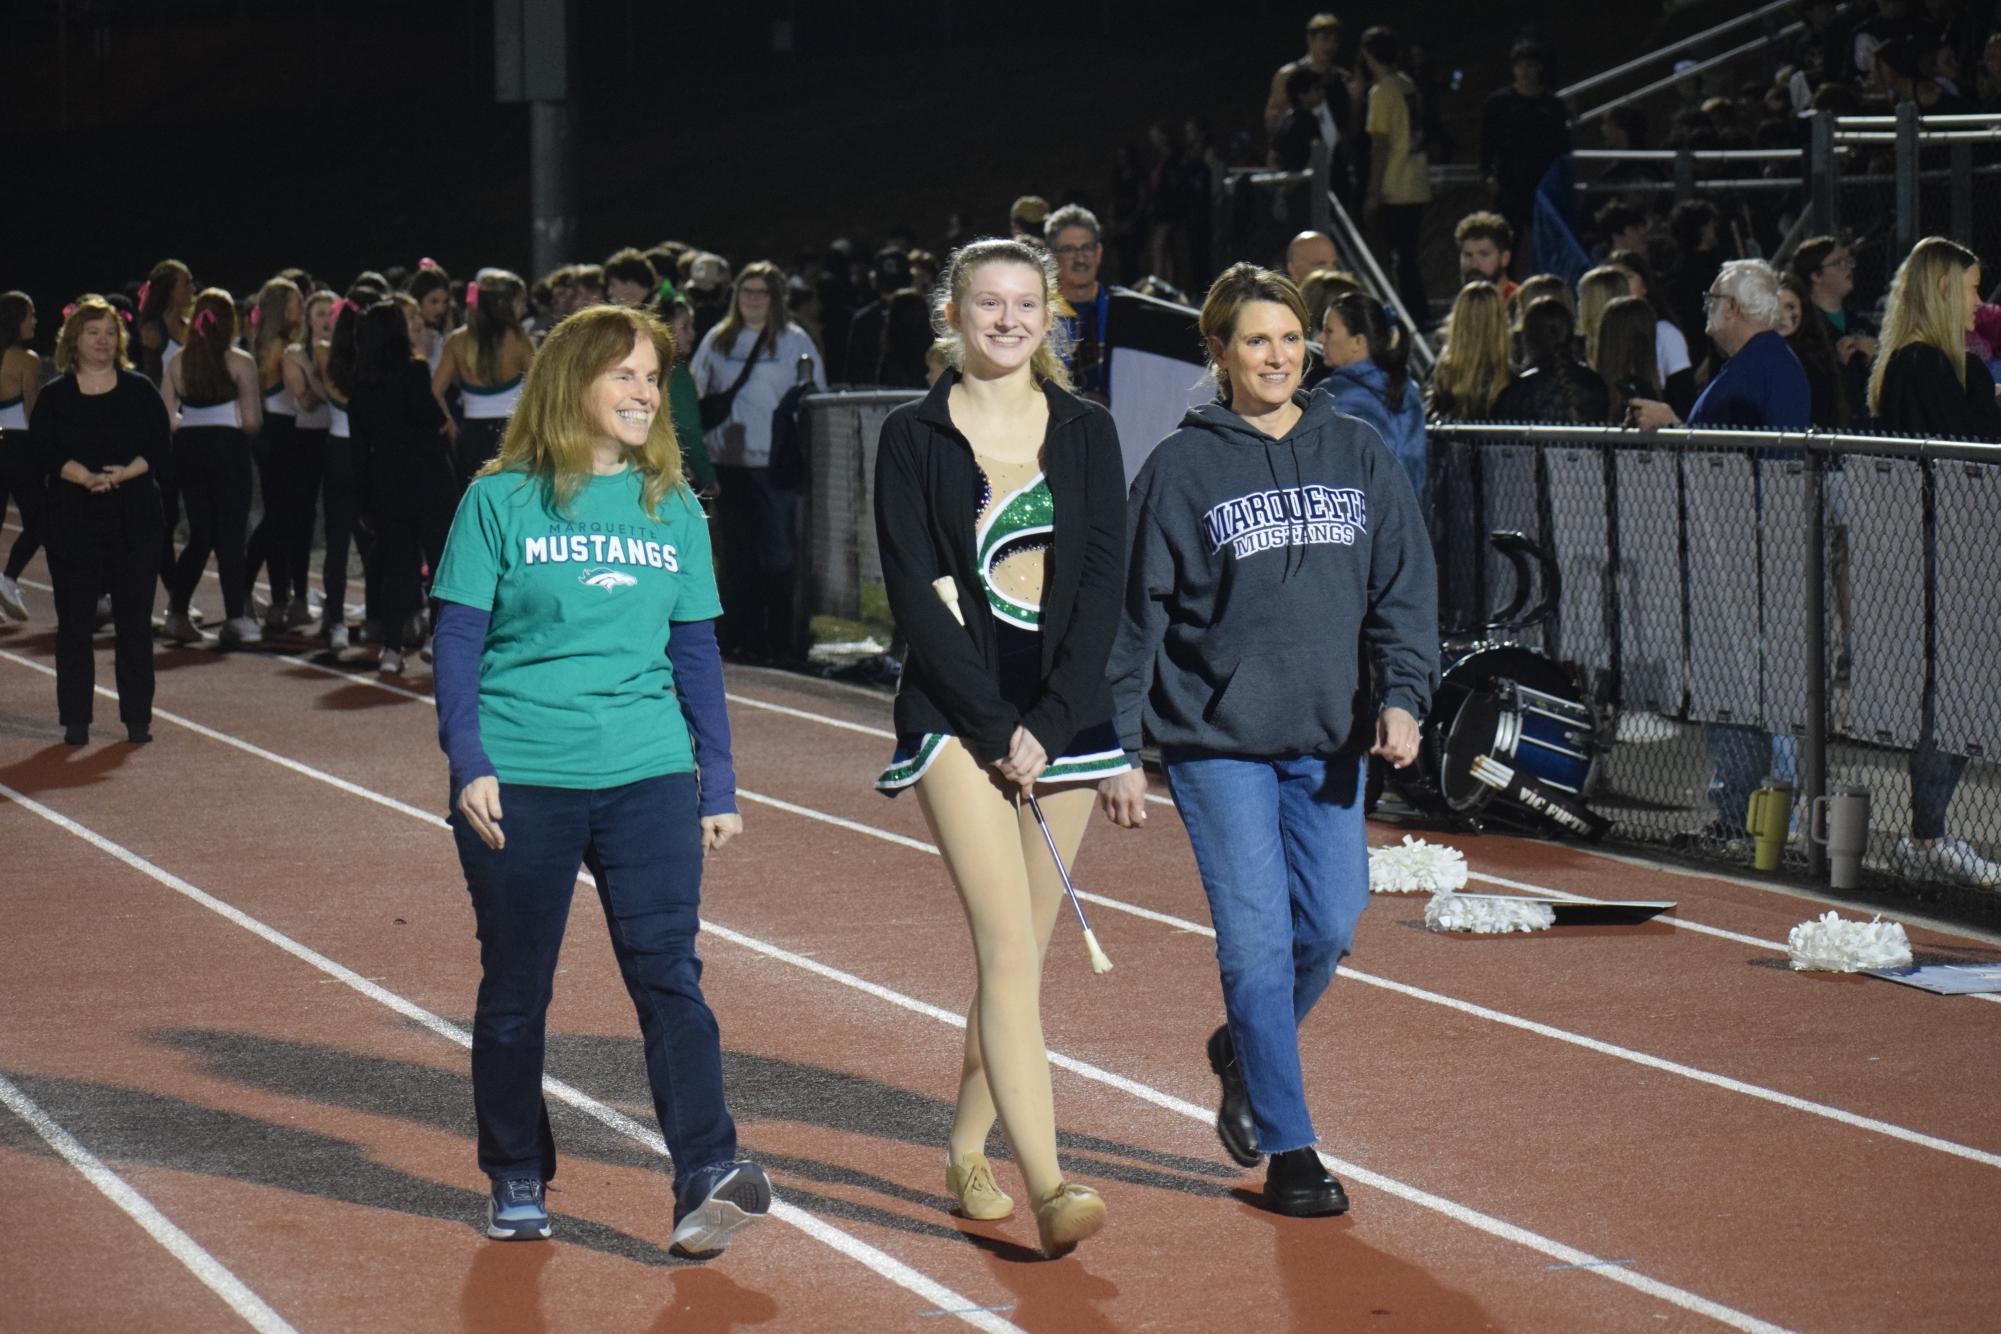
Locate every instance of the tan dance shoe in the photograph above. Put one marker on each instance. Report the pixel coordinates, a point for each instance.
(1069, 1214)
(971, 1182)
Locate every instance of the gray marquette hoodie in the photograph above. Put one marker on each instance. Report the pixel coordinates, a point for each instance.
(1279, 593)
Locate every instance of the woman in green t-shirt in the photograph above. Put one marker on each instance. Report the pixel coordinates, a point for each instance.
(580, 704)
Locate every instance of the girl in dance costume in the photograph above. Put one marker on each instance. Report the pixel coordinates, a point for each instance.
(486, 360)
(302, 372)
(342, 474)
(20, 384)
(277, 322)
(1007, 491)
(212, 394)
(164, 299)
(580, 703)
(431, 287)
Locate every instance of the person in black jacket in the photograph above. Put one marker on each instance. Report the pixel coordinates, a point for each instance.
(98, 433)
(1280, 625)
(1926, 383)
(1000, 515)
(1555, 387)
(399, 429)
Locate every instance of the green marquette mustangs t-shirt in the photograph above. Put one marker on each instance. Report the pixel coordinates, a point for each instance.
(575, 689)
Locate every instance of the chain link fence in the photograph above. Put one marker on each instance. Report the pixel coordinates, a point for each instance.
(840, 571)
(1689, 576)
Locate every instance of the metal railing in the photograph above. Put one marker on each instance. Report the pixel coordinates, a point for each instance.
(1660, 63)
(1749, 601)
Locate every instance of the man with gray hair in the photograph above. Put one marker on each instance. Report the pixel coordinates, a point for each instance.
(1075, 239)
(1761, 387)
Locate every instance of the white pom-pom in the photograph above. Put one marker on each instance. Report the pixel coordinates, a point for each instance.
(1486, 914)
(1828, 944)
(1414, 867)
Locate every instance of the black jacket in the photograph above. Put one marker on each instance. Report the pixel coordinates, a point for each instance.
(98, 431)
(1922, 396)
(926, 488)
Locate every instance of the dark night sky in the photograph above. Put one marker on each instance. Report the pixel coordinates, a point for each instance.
(242, 137)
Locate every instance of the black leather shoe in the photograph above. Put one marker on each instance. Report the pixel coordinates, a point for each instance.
(76, 736)
(1234, 1125)
(138, 736)
(1298, 1185)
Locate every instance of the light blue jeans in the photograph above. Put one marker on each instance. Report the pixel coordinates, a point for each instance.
(1280, 846)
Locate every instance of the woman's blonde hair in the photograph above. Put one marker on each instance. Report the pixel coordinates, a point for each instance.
(1046, 365)
(1925, 307)
(551, 437)
(88, 307)
(1595, 291)
(1236, 287)
(268, 326)
(1473, 369)
(778, 317)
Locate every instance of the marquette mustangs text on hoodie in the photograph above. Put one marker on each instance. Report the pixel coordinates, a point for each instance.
(1281, 592)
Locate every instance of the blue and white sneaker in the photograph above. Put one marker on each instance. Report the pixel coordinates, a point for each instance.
(515, 1211)
(727, 1198)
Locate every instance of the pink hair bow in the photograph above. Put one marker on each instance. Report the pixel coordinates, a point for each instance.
(144, 288)
(206, 320)
(428, 263)
(472, 295)
(340, 304)
(256, 316)
(69, 310)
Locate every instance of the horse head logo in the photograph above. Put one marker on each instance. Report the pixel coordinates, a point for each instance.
(606, 578)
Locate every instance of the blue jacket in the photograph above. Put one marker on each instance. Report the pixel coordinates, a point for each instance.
(1362, 390)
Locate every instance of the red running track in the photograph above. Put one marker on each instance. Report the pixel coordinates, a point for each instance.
(241, 956)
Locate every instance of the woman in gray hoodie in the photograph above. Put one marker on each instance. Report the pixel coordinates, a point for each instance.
(1280, 626)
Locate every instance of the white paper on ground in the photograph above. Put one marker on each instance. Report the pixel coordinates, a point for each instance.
(1415, 866)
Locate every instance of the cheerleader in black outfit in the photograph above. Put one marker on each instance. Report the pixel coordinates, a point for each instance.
(20, 382)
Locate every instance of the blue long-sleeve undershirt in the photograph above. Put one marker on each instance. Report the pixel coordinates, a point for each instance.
(698, 684)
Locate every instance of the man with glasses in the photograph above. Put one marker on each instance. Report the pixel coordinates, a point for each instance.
(1827, 266)
(1762, 386)
(1075, 239)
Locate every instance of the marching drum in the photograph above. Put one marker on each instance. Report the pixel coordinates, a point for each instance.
(1511, 704)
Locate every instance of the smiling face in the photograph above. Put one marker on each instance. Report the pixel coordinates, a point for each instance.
(1002, 318)
(625, 397)
(97, 343)
(1263, 358)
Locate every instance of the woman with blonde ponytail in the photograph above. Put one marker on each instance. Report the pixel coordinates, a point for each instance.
(1926, 383)
(1000, 516)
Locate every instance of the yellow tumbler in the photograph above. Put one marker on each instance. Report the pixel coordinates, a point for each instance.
(1767, 820)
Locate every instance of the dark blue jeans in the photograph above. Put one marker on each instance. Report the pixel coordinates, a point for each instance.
(642, 843)
(1285, 862)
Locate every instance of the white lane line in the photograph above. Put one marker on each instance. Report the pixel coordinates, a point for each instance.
(1596, 1045)
(213, 1274)
(1701, 928)
(1463, 1214)
(882, 1263)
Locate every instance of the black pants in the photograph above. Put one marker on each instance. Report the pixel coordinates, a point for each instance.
(756, 566)
(86, 563)
(271, 540)
(341, 493)
(302, 499)
(1401, 223)
(410, 508)
(212, 474)
(479, 440)
(21, 479)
